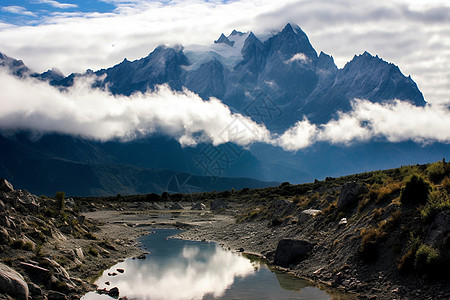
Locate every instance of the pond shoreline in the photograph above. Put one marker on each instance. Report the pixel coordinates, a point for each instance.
(196, 226)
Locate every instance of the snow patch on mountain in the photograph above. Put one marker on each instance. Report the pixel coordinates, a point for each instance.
(228, 53)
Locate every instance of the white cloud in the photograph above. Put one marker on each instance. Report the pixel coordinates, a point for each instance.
(299, 57)
(57, 4)
(395, 121)
(29, 104)
(300, 136)
(19, 10)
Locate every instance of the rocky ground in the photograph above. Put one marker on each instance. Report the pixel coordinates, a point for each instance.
(354, 236)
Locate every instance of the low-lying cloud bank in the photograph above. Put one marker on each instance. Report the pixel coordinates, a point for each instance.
(394, 121)
(30, 104)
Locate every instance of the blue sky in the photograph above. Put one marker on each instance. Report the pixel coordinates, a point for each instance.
(33, 12)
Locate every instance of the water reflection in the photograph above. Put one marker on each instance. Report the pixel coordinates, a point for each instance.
(178, 269)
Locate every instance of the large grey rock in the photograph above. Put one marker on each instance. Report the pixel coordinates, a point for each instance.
(349, 194)
(6, 186)
(291, 251)
(36, 273)
(12, 283)
(438, 229)
(218, 204)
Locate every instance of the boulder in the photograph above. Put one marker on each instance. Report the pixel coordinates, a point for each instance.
(291, 251)
(37, 274)
(6, 186)
(308, 214)
(350, 193)
(218, 204)
(176, 206)
(12, 283)
(438, 229)
(198, 206)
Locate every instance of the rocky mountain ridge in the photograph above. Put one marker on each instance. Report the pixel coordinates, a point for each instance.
(284, 68)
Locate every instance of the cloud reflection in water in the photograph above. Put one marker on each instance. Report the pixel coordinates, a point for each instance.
(193, 274)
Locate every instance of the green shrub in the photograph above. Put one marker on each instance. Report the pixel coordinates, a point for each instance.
(415, 191)
(17, 244)
(437, 201)
(92, 251)
(406, 262)
(426, 258)
(369, 243)
(28, 246)
(437, 171)
(446, 184)
(60, 197)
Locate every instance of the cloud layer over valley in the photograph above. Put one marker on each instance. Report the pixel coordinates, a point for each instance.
(30, 104)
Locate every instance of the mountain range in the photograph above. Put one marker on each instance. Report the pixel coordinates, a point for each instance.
(276, 81)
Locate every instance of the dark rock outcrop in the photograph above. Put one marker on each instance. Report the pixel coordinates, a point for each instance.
(6, 186)
(349, 194)
(12, 283)
(291, 251)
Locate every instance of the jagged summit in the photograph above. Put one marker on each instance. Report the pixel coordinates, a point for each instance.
(14, 66)
(224, 40)
(235, 32)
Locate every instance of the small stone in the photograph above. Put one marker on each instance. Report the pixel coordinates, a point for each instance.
(114, 292)
(343, 222)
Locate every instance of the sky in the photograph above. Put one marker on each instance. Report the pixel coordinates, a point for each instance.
(77, 35)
